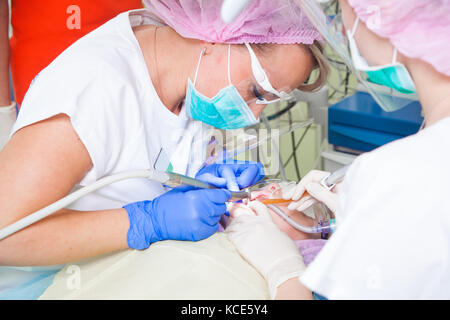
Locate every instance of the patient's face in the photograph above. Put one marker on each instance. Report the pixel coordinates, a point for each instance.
(240, 208)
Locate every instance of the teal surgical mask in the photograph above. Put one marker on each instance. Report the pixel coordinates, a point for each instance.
(226, 110)
(393, 75)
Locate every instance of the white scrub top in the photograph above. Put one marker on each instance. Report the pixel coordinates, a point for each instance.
(102, 83)
(393, 224)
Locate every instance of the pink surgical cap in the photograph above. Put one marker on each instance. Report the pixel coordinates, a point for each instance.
(417, 28)
(262, 21)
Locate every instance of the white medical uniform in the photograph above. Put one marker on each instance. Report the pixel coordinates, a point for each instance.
(393, 224)
(102, 83)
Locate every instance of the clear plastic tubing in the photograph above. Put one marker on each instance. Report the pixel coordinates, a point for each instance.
(153, 175)
(64, 202)
(321, 228)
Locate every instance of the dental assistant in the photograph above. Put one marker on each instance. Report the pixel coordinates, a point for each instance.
(392, 210)
(134, 92)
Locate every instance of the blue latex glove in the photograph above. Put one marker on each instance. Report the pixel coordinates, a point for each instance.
(184, 213)
(233, 176)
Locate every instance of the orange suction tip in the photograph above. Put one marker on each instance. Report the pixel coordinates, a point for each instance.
(274, 201)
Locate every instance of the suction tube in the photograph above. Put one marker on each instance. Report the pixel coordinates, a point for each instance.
(64, 202)
(153, 175)
(324, 228)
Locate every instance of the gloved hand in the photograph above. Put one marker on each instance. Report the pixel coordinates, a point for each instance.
(233, 176)
(265, 246)
(317, 192)
(183, 213)
(8, 116)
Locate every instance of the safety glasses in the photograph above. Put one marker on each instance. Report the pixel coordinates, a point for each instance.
(263, 81)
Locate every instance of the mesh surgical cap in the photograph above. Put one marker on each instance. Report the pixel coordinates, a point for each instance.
(417, 28)
(262, 21)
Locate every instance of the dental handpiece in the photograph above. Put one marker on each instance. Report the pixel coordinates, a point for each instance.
(154, 175)
(175, 179)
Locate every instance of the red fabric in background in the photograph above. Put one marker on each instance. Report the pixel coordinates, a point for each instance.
(40, 32)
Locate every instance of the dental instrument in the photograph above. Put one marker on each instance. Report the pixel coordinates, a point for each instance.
(275, 201)
(166, 178)
(331, 180)
(328, 182)
(325, 223)
(268, 192)
(176, 179)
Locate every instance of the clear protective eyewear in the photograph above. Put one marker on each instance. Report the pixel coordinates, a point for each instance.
(263, 81)
(332, 30)
(257, 88)
(252, 92)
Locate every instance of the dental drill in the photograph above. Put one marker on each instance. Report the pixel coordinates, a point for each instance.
(166, 178)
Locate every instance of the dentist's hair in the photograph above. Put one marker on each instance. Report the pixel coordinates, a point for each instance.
(321, 64)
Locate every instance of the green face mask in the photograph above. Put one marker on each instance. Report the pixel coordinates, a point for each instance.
(394, 75)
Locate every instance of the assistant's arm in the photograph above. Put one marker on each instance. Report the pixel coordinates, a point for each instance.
(41, 164)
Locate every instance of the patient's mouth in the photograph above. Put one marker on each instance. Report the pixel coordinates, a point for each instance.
(271, 194)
